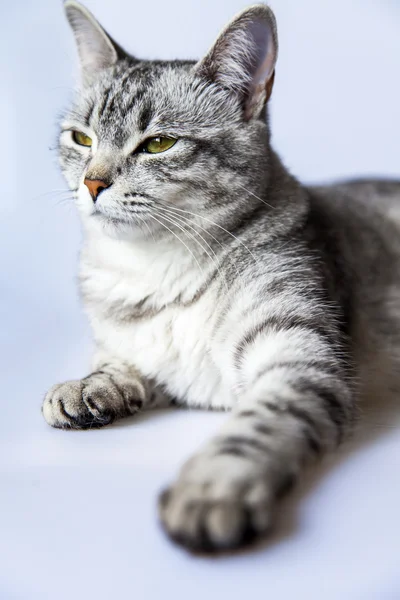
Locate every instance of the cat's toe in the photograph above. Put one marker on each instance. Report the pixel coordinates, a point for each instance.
(201, 523)
(67, 406)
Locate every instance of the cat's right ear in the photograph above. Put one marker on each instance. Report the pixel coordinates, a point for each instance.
(96, 49)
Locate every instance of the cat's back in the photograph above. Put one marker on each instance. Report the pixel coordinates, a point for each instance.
(364, 197)
(362, 217)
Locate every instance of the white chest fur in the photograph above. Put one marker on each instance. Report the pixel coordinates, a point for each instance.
(170, 342)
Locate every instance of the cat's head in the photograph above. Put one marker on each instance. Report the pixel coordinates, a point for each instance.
(148, 144)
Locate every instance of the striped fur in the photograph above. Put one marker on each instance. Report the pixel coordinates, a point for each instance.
(213, 278)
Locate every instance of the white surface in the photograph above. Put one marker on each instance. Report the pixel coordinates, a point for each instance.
(77, 516)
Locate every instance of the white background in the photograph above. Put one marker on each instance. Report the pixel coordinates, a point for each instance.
(77, 514)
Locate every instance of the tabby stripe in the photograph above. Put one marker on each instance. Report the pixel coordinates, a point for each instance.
(210, 149)
(214, 275)
(308, 425)
(136, 203)
(310, 429)
(271, 407)
(237, 441)
(89, 114)
(301, 415)
(276, 324)
(127, 75)
(247, 413)
(105, 100)
(331, 404)
(140, 195)
(137, 97)
(166, 175)
(145, 117)
(70, 153)
(322, 366)
(261, 428)
(133, 313)
(233, 451)
(111, 104)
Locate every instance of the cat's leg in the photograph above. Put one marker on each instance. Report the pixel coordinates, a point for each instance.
(295, 404)
(112, 391)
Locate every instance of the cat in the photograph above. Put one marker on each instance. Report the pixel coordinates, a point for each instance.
(212, 278)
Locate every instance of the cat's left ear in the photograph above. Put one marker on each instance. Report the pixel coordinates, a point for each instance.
(96, 49)
(243, 58)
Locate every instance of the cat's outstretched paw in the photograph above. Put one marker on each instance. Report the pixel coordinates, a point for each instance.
(217, 511)
(91, 402)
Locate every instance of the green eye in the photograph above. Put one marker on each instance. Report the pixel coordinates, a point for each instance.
(158, 144)
(81, 139)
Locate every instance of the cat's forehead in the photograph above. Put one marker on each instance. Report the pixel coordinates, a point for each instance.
(153, 97)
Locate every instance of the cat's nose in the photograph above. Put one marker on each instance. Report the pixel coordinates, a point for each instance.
(96, 186)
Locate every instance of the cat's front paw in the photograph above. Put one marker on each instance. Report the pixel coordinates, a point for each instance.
(90, 403)
(220, 507)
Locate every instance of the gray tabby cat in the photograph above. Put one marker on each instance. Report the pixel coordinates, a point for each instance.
(212, 278)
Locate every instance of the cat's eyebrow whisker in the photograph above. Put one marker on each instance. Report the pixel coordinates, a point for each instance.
(178, 238)
(214, 259)
(216, 225)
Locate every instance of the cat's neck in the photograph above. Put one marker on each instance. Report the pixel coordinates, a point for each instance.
(161, 270)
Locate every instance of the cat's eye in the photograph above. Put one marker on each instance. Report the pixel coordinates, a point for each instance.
(81, 139)
(158, 144)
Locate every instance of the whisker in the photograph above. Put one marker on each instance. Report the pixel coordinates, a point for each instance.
(226, 255)
(64, 201)
(193, 223)
(178, 238)
(185, 221)
(216, 225)
(254, 195)
(54, 193)
(142, 220)
(214, 260)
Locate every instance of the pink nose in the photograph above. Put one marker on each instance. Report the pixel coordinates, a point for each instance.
(95, 186)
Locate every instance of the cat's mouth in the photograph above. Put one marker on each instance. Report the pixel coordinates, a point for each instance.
(115, 218)
(112, 219)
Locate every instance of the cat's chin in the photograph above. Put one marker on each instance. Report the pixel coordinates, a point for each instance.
(115, 228)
